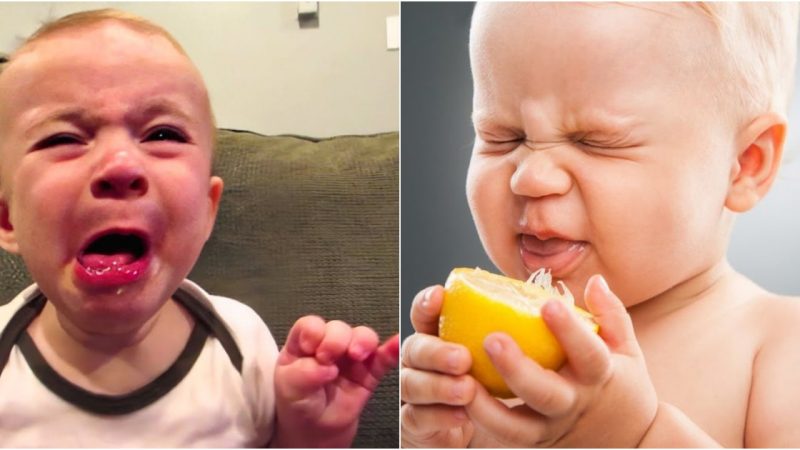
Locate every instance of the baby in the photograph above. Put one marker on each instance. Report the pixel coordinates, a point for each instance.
(614, 144)
(106, 137)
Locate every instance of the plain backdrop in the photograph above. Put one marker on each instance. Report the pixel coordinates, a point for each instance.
(263, 71)
(437, 232)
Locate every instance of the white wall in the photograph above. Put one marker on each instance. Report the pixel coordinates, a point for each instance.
(264, 72)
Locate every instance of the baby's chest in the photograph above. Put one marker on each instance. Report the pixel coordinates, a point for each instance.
(207, 408)
(705, 371)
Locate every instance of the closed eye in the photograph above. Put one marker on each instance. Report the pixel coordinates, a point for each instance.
(506, 141)
(604, 145)
(502, 143)
(165, 134)
(496, 146)
(593, 144)
(604, 141)
(500, 137)
(57, 140)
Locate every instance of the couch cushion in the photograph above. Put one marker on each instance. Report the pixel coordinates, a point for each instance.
(311, 227)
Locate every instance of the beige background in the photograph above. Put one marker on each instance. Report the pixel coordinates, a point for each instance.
(264, 72)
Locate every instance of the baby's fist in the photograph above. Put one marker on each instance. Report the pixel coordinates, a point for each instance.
(325, 374)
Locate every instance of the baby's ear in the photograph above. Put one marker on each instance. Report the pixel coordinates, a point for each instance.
(8, 240)
(757, 161)
(214, 195)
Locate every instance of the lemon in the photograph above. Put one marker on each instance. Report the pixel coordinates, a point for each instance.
(477, 303)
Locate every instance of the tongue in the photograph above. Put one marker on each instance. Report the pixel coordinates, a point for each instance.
(101, 261)
(547, 247)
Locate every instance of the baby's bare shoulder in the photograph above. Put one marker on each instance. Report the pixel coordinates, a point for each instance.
(777, 311)
(774, 394)
(756, 311)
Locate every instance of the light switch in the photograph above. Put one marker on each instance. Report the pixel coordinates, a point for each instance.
(308, 14)
(307, 8)
(393, 32)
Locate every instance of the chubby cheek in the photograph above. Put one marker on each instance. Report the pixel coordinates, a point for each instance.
(643, 239)
(40, 212)
(491, 203)
(632, 248)
(187, 209)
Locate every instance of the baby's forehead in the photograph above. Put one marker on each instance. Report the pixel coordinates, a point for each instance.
(603, 34)
(120, 41)
(128, 56)
(67, 68)
(496, 16)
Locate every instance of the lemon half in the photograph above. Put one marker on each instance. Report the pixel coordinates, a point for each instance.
(477, 303)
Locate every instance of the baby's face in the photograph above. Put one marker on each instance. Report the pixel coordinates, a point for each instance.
(597, 149)
(106, 186)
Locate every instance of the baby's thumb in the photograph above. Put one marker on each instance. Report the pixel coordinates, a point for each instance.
(616, 327)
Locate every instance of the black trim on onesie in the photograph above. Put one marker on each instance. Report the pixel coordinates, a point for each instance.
(207, 323)
(114, 404)
(214, 323)
(17, 325)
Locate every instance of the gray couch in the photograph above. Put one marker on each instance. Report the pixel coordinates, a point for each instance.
(305, 226)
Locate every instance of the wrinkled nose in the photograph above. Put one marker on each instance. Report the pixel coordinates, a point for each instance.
(122, 177)
(539, 174)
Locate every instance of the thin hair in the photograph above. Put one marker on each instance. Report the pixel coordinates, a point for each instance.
(759, 47)
(88, 19)
(85, 19)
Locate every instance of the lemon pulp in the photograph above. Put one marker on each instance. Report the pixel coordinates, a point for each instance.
(477, 303)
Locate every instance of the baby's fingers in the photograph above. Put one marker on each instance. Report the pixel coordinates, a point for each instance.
(423, 351)
(363, 343)
(510, 427)
(335, 342)
(587, 355)
(427, 388)
(543, 390)
(302, 378)
(303, 340)
(386, 357)
(616, 327)
(425, 310)
(423, 421)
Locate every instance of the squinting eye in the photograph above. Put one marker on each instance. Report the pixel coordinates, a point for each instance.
(56, 140)
(515, 141)
(603, 145)
(165, 134)
(591, 144)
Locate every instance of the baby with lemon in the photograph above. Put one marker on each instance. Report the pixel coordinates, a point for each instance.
(614, 146)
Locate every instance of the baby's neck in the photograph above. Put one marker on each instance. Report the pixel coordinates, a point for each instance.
(702, 285)
(112, 364)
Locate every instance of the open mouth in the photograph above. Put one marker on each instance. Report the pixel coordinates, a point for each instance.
(113, 249)
(113, 258)
(556, 254)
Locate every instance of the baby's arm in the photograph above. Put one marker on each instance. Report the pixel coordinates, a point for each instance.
(325, 374)
(773, 412)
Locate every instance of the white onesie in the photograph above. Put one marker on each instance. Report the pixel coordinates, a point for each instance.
(218, 393)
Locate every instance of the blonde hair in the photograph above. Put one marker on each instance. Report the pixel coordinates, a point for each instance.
(752, 62)
(84, 19)
(759, 51)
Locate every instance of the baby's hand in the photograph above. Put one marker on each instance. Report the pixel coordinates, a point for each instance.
(434, 382)
(325, 374)
(602, 397)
